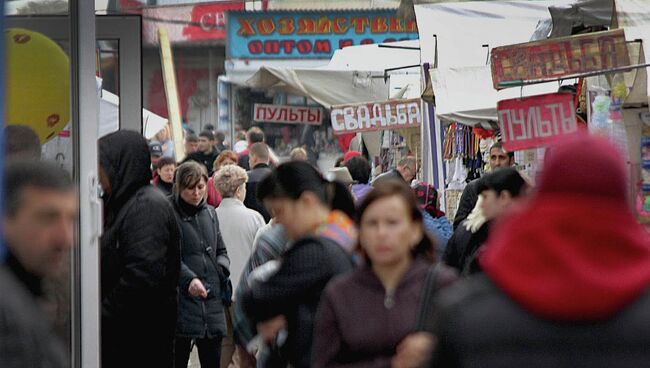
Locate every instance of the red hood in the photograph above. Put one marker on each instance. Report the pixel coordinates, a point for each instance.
(570, 258)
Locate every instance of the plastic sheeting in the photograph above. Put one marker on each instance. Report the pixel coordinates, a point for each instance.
(633, 16)
(461, 29)
(466, 95)
(355, 74)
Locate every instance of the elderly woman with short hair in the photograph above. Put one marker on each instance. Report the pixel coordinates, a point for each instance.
(239, 225)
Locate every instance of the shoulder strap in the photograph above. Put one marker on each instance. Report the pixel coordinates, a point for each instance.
(212, 252)
(429, 289)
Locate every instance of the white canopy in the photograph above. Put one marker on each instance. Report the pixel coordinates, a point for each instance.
(462, 83)
(109, 115)
(355, 74)
(466, 94)
(462, 28)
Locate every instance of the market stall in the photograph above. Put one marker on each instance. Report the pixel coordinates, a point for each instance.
(459, 86)
(358, 74)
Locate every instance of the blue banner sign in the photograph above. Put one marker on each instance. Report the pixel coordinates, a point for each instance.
(316, 35)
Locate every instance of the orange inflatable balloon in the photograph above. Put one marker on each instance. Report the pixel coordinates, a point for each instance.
(38, 83)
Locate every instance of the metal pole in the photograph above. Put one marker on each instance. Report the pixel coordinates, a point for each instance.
(212, 100)
(85, 101)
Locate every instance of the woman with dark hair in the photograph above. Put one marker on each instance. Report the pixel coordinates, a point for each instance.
(284, 294)
(204, 266)
(369, 317)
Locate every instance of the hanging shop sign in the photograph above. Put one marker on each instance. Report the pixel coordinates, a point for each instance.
(293, 35)
(263, 113)
(368, 117)
(559, 58)
(188, 23)
(535, 121)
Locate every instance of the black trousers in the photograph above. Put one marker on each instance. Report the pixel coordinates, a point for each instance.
(209, 351)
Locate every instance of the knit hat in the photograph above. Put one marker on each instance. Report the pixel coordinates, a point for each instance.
(506, 179)
(584, 166)
(576, 251)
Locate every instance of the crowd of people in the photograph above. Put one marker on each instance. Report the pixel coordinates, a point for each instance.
(268, 264)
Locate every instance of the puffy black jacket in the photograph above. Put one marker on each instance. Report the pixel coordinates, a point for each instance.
(140, 259)
(200, 234)
(478, 325)
(295, 290)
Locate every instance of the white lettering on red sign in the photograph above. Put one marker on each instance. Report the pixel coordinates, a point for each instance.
(534, 121)
(288, 114)
(376, 116)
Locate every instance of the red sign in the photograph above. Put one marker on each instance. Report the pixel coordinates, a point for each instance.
(288, 114)
(368, 117)
(535, 121)
(188, 23)
(559, 57)
(210, 21)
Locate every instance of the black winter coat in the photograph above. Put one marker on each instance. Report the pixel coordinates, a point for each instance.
(251, 201)
(140, 259)
(467, 202)
(200, 234)
(478, 325)
(463, 247)
(295, 291)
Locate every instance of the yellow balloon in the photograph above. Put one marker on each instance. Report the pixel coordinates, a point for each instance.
(38, 83)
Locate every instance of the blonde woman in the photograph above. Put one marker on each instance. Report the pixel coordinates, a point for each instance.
(239, 225)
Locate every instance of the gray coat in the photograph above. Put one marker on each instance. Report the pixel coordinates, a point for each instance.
(200, 235)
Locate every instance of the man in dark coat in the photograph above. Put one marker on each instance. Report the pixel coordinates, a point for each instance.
(207, 153)
(39, 219)
(566, 277)
(259, 160)
(500, 189)
(140, 258)
(254, 135)
(499, 158)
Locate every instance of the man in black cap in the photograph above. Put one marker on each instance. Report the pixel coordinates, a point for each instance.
(499, 190)
(156, 153)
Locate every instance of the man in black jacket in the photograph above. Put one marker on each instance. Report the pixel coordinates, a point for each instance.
(207, 153)
(140, 258)
(499, 158)
(259, 161)
(254, 135)
(500, 189)
(39, 219)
